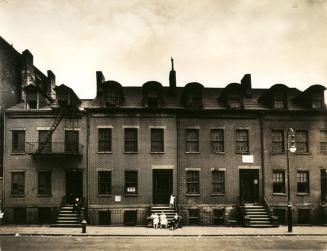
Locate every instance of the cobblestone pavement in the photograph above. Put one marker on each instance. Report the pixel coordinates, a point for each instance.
(143, 231)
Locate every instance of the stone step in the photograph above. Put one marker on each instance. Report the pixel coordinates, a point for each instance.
(67, 218)
(261, 225)
(66, 225)
(67, 222)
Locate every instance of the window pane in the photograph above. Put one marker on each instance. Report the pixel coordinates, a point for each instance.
(192, 180)
(44, 183)
(104, 182)
(130, 139)
(18, 183)
(157, 140)
(217, 140)
(218, 181)
(104, 140)
(192, 140)
(71, 141)
(18, 141)
(131, 182)
(278, 182)
(302, 181)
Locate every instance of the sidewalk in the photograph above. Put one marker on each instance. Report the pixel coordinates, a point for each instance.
(143, 231)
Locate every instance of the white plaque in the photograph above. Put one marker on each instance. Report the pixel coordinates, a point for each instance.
(247, 159)
(117, 198)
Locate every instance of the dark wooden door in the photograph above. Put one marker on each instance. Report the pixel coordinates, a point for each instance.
(323, 185)
(162, 186)
(74, 186)
(249, 186)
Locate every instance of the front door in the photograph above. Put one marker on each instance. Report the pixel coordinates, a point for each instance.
(323, 185)
(162, 186)
(249, 185)
(74, 186)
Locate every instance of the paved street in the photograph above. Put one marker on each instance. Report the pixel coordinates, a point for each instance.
(163, 243)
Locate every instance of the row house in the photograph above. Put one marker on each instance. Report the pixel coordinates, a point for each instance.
(218, 150)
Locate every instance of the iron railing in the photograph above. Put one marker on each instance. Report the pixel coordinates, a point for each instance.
(54, 148)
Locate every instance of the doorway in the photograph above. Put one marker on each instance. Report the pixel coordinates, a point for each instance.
(249, 185)
(323, 175)
(162, 186)
(74, 185)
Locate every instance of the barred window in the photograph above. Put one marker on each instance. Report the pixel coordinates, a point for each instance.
(130, 140)
(104, 182)
(278, 182)
(323, 141)
(192, 140)
(192, 182)
(18, 183)
(217, 140)
(18, 141)
(242, 141)
(43, 134)
(44, 183)
(302, 181)
(131, 182)
(104, 140)
(218, 181)
(301, 141)
(277, 141)
(157, 140)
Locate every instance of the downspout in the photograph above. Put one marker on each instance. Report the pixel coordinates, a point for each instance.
(177, 163)
(87, 161)
(3, 162)
(262, 154)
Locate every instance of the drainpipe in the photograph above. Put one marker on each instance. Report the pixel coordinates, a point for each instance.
(3, 162)
(262, 145)
(177, 163)
(87, 162)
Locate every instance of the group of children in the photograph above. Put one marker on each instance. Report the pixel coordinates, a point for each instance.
(162, 219)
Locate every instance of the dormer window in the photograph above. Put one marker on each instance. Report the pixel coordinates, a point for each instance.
(234, 103)
(31, 100)
(113, 97)
(193, 101)
(152, 98)
(279, 101)
(152, 94)
(63, 100)
(316, 101)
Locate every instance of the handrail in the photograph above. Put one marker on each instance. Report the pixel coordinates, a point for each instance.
(268, 208)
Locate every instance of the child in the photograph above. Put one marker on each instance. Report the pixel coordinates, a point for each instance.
(155, 220)
(172, 201)
(163, 220)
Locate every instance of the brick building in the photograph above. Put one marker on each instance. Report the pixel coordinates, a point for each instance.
(216, 149)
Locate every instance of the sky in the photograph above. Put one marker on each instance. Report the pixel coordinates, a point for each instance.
(214, 42)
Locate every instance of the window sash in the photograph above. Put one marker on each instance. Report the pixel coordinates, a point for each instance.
(279, 182)
(18, 141)
(218, 181)
(192, 181)
(242, 141)
(44, 183)
(71, 141)
(302, 182)
(104, 139)
(131, 182)
(217, 140)
(130, 139)
(157, 140)
(104, 182)
(18, 183)
(192, 140)
(42, 138)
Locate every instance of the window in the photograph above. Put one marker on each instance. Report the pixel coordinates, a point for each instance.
(130, 217)
(31, 100)
(130, 140)
(218, 181)
(278, 182)
(281, 214)
(302, 181)
(192, 140)
(44, 183)
(277, 141)
(218, 216)
(323, 141)
(113, 97)
(104, 182)
(104, 140)
(279, 101)
(217, 140)
(242, 141)
(193, 216)
(303, 216)
(63, 100)
(192, 182)
(157, 140)
(317, 100)
(43, 140)
(71, 141)
(18, 183)
(18, 141)
(105, 217)
(193, 100)
(44, 215)
(234, 103)
(301, 141)
(19, 216)
(131, 182)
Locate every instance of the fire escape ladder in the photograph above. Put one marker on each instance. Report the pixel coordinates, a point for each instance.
(54, 126)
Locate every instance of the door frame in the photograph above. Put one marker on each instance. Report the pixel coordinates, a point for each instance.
(170, 184)
(73, 172)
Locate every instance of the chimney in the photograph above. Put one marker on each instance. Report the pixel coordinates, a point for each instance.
(246, 85)
(51, 84)
(100, 80)
(172, 79)
(27, 69)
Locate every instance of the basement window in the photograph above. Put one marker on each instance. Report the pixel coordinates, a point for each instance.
(193, 217)
(105, 217)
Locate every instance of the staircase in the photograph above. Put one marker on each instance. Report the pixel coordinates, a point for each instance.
(54, 126)
(67, 217)
(168, 211)
(256, 216)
